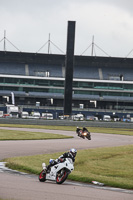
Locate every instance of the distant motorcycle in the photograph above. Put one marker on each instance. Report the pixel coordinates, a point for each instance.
(83, 133)
(58, 172)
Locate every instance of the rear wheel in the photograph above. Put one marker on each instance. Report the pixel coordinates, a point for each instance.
(42, 176)
(61, 176)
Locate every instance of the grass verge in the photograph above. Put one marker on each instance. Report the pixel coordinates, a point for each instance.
(111, 166)
(120, 131)
(26, 135)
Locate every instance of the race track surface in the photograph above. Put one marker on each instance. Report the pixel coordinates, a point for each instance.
(23, 187)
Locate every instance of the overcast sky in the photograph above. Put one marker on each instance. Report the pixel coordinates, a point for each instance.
(28, 24)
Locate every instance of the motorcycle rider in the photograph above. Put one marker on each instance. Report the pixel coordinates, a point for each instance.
(85, 129)
(79, 131)
(71, 154)
(83, 133)
(88, 133)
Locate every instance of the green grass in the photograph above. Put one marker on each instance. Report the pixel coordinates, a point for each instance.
(26, 135)
(119, 131)
(5, 199)
(112, 166)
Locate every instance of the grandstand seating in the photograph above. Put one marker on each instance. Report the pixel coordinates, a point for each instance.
(117, 71)
(54, 70)
(12, 68)
(107, 72)
(19, 69)
(84, 72)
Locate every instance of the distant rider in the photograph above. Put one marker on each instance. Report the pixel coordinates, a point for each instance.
(79, 131)
(85, 129)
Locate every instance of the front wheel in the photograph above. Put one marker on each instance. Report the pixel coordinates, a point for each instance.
(42, 176)
(88, 136)
(61, 176)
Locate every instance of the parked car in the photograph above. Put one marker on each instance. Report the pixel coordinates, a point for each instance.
(24, 115)
(35, 115)
(47, 116)
(107, 118)
(78, 117)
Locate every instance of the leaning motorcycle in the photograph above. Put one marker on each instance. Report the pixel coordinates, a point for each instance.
(87, 135)
(58, 172)
(83, 134)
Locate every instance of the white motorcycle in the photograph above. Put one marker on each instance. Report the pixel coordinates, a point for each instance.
(59, 172)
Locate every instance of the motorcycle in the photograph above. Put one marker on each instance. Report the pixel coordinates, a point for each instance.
(59, 172)
(83, 133)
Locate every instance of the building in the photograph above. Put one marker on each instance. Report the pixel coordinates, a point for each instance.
(99, 83)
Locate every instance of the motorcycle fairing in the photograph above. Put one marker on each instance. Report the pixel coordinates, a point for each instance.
(56, 168)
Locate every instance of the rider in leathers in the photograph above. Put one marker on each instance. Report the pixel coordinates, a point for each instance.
(71, 154)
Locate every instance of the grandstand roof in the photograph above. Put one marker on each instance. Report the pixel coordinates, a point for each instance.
(25, 57)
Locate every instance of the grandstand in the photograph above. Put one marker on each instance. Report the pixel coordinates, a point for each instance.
(99, 83)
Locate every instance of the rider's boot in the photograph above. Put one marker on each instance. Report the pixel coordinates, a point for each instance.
(48, 169)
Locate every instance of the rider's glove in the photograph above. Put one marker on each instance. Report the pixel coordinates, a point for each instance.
(60, 159)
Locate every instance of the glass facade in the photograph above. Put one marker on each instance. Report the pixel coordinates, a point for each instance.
(106, 93)
(104, 85)
(57, 86)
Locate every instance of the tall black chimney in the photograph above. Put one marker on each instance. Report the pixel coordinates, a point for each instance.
(69, 68)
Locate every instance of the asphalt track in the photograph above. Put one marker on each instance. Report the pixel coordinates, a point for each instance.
(24, 187)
